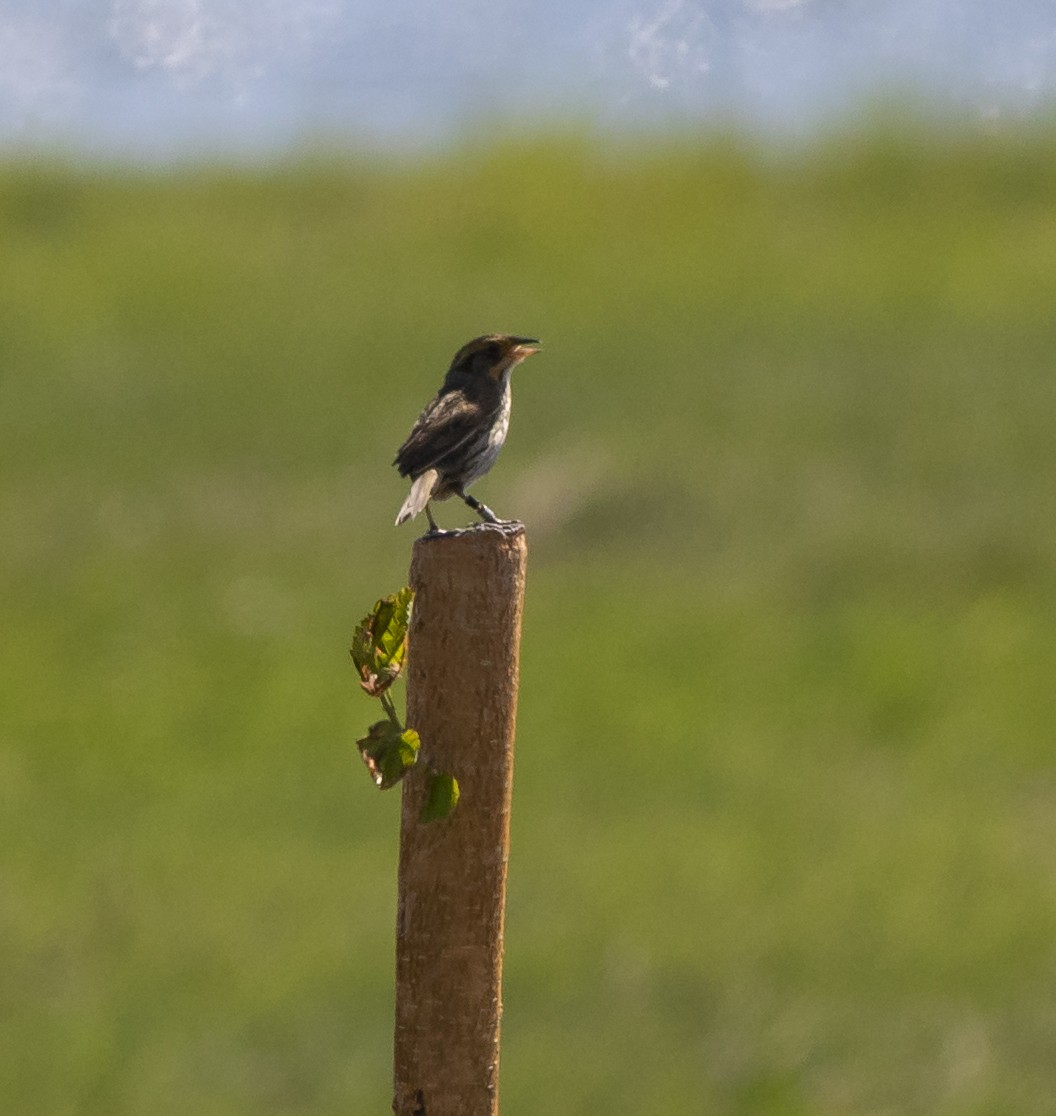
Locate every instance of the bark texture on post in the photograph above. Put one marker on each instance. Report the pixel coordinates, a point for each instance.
(462, 671)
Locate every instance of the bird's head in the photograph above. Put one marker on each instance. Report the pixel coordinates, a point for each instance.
(492, 355)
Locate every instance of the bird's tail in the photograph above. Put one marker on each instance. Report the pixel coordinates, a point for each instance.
(418, 497)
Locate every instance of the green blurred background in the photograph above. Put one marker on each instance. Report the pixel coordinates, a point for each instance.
(785, 809)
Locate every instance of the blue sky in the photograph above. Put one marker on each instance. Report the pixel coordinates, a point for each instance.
(171, 77)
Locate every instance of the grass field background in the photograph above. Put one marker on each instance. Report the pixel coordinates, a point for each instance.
(785, 810)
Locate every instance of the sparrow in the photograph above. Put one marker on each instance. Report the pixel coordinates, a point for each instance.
(459, 434)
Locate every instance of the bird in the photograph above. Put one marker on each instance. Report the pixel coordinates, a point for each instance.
(459, 434)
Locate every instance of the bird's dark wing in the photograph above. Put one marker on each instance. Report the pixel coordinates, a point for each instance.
(445, 425)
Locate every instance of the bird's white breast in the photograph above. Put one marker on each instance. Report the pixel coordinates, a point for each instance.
(502, 425)
(486, 458)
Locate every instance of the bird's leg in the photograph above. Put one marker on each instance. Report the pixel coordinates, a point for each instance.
(433, 529)
(482, 510)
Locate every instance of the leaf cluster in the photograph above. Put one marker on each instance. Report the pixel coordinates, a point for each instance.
(379, 645)
(390, 749)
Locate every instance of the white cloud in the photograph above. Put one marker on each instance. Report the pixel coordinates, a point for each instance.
(196, 39)
(774, 5)
(670, 44)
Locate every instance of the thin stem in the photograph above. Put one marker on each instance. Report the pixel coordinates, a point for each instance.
(390, 709)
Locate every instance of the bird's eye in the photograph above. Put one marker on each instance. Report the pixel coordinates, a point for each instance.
(487, 357)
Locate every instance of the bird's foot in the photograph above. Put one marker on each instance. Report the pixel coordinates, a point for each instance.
(434, 531)
(482, 510)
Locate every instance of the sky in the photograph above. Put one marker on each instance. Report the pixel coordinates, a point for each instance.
(169, 78)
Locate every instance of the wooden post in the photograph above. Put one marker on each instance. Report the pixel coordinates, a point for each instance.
(462, 671)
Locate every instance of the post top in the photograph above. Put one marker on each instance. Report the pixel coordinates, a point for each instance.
(508, 529)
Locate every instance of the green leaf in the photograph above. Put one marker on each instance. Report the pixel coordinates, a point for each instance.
(379, 644)
(388, 753)
(441, 796)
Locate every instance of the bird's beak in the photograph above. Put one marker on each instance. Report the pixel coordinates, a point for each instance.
(525, 346)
